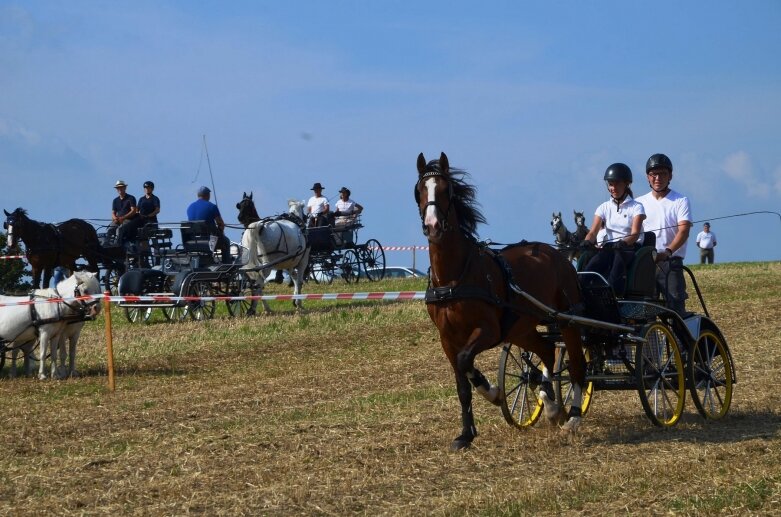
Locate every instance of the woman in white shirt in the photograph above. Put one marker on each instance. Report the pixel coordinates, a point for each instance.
(622, 218)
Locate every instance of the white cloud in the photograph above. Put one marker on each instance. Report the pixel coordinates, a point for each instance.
(738, 166)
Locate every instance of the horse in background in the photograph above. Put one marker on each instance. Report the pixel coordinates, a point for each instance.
(48, 245)
(20, 325)
(581, 230)
(274, 242)
(478, 298)
(566, 241)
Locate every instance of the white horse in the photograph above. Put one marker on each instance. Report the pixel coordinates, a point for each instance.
(48, 320)
(296, 208)
(277, 243)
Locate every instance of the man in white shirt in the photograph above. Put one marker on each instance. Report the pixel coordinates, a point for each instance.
(668, 215)
(706, 241)
(317, 207)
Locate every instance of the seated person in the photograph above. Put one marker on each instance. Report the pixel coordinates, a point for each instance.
(622, 218)
(317, 208)
(203, 210)
(347, 210)
(148, 207)
(123, 211)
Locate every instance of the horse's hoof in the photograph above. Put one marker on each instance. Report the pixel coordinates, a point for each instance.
(460, 444)
(571, 426)
(42, 377)
(550, 407)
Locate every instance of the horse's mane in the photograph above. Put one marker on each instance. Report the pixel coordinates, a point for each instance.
(20, 211)
(463, 198)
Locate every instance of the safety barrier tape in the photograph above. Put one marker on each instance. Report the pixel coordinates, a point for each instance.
(404, 248)
(9, 257)
(381, 295)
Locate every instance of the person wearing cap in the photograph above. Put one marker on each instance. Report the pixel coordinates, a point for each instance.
(204, 210)
(123, 210)
(668, 215)
(706, 241)
(621, 217)
(317, 207)
(346, 213)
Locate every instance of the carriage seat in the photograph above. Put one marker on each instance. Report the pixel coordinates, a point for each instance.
(641, 272)
(197, 242)
(320, 238)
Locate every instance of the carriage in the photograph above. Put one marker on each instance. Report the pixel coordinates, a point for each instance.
(335, 252)
(632, 343)
(161, 272)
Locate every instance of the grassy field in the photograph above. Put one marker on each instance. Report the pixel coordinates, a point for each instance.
(349, 408)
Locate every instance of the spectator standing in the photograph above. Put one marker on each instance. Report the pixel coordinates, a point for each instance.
(204, 210)
(668, 215)
(706, 241)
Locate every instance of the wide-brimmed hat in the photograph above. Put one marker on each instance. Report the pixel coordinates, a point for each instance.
(120, 183)
(344, 189)
(317, 186)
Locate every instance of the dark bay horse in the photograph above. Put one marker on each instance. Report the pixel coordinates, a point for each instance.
(476, 296)
(49, 245)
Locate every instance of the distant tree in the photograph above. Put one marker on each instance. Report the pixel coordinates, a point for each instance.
(13, 271)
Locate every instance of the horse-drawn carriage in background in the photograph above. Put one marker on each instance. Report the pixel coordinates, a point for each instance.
(335, 252)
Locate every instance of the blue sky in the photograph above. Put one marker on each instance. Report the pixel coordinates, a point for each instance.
(535, 100)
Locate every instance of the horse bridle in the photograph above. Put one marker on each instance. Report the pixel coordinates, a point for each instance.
(422, 210)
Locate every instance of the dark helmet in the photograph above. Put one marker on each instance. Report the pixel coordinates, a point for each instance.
(618, 171)
(149, 184)
(658, 161)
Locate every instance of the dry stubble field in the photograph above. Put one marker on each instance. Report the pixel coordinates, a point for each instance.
(349, 408)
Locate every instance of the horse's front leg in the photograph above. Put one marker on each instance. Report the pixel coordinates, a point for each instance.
(45, 340)
(468, 429)
(297, 275)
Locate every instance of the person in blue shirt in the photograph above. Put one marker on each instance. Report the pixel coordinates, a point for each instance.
(123, 210)
(204, 210)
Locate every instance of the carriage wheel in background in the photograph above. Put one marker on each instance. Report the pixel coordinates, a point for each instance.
(660, 375)
(136, 314)
(563, 386)
(322, 271)
(373, 257)
(710, 375)
(520, 375)
(239, 285)
(199, 310)
(350, 265)
(111, 279)
(176, 313)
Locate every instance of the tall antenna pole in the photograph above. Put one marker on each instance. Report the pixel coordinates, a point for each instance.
(209, 162)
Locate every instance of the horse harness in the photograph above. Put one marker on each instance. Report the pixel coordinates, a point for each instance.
(462, 291)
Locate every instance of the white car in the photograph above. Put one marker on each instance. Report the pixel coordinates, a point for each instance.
(402, 272)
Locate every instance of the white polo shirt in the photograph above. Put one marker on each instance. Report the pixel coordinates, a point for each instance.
(706, 240)
(618, 218)
(663, 216)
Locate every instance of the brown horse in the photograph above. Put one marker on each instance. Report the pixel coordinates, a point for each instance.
(479, 298)
(48, 245)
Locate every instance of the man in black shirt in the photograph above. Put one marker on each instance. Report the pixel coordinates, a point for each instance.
(123, 210)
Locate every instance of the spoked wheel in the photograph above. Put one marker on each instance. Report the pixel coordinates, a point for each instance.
(176, 313)
(200, 310)
(111, 279)
(350, 266)
(240, 285)
(563, 386)
(520, 375)
(710, 375)
(136, 314)
(322, 272)
(659, 373)
(373, 258)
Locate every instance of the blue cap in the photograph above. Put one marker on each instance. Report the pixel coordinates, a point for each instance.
(203, 190)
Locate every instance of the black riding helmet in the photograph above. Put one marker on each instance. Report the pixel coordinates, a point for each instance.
(658, 161)
(618, 171)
